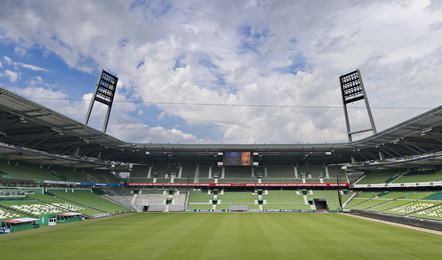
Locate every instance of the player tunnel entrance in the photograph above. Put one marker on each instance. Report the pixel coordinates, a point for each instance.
(321, 205)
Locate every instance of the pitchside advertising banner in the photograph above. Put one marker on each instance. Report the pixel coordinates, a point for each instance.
(82, 183)
(239, 184)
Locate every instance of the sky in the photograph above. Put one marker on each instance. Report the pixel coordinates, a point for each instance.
(224, 71)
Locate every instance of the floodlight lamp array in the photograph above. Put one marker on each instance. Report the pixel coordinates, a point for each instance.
(352, 87)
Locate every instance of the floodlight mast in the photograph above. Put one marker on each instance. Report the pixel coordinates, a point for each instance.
(352, 89)
(104, 93)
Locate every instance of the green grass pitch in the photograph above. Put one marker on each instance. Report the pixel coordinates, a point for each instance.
(222, 236)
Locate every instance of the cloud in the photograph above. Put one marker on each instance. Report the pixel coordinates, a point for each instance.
(11, 75)
(138, 132)
(7, 60)
(242, 59)
(17, 65)
(32, 67)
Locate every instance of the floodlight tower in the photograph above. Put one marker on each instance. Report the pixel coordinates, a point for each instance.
(353, 90)
(104, 93)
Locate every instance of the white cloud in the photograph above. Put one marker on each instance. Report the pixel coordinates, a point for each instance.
(7, 60)
(141, 133)
(17, 65)
(285, 53)
(11, 75)
(32, 67)
(37, 80)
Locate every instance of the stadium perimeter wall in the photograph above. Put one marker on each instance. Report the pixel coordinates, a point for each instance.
(411, 221)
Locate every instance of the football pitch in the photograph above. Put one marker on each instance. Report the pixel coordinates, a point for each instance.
(222, 236)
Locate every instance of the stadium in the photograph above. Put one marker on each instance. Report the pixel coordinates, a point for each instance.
(220, 129)
(71, 191)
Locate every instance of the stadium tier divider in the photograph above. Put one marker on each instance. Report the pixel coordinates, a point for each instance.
(312, 180)
(205, 180)
(281, 180)
(148, 180)
(238, 180)
(163, 180)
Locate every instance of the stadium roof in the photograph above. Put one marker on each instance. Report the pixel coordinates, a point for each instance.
(31, 132)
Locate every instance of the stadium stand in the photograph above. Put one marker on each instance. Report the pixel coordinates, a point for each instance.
(285, 199)
(280, 180)
(140, 173)
(370, 203)
(91, 201)
(6, 213)
(199, 200)
(412, 207)
(68, 174)
(360, 198)
(435, 196)
(206, 180)
(384, 201)
(187, 175)
(204, 172)
(311, 180)
(335, 171)
(230, 198)
(237, 172)
(34, 208)
(100, 176)
(239, 180)
(163, 180)
(381, 176)
(27, 170)
(389, 205)
(163, 171)
(155, 201)
(280, 172)
(434, 212)
(420, 176)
